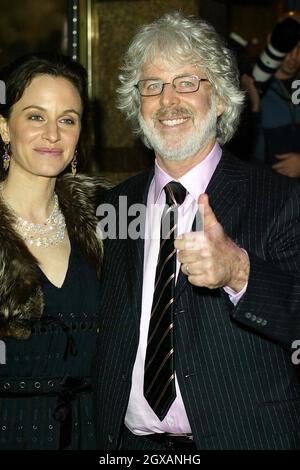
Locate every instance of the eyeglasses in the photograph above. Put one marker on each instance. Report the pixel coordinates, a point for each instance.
(181, 84)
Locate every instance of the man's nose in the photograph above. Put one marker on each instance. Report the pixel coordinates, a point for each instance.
(169, 96)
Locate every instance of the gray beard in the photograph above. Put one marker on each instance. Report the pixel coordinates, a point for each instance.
(191, 144)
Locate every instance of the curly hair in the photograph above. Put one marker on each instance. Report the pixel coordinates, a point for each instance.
(183, 40)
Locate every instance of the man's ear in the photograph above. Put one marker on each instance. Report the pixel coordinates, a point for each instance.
(4, 130)
(220, 106)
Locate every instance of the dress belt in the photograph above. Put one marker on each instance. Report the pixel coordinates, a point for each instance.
(25, 386)
(65, 389)
(174, 441)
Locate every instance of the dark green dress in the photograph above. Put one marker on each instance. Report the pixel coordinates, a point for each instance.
(45, 388)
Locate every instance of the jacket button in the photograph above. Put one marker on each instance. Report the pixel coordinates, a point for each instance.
(37, 384)
(6, 386)
(248, 315)
(22, 384)
(253, 318)
(264, 322)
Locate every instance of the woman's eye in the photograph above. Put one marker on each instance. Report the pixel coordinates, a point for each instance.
(35, 117)
(68, 121)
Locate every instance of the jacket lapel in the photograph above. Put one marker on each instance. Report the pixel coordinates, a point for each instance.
(135, 248)
(225, 190)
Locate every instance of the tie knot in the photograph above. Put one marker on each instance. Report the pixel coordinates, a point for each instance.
(175, 193)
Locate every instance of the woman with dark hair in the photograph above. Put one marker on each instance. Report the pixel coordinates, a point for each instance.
(50, 258)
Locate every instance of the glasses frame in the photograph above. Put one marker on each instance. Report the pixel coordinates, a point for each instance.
(171, 83)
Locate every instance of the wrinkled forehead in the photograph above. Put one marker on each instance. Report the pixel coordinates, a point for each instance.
(158, 64)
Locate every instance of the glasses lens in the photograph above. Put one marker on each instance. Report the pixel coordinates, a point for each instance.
(186, 84)
(150, 87)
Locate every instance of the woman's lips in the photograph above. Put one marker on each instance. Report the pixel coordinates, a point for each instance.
(49, 151)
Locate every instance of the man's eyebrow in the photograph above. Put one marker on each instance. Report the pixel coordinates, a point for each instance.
(43, 109)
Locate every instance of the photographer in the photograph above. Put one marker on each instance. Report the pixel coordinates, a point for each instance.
(276, 119)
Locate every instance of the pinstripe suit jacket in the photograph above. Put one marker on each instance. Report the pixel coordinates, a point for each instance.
(234, 368)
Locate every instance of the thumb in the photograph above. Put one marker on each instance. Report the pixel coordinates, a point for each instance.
(209, 218)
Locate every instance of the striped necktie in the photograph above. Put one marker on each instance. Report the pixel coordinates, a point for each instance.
(159, 378)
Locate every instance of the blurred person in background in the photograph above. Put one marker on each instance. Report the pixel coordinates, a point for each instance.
(275, 117)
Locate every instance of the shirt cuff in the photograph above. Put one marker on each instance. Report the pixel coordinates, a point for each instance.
(235, 297)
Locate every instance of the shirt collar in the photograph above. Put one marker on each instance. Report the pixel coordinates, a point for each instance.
(195, 181)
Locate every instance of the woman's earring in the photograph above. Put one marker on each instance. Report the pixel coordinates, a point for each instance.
(74, 164)
(6, 157)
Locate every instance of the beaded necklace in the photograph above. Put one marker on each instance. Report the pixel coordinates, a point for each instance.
(49, 233)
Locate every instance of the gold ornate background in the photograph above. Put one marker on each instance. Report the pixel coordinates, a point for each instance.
(106, 29)
(109, 28)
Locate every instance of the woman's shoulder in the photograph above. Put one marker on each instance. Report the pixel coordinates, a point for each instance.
(79, 198)
(85, 186)
(82, 192)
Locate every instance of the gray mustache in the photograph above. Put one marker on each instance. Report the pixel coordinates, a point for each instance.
(172, 112)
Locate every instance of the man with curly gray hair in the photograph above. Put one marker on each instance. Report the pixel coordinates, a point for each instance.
(178, 42)
(199, 320)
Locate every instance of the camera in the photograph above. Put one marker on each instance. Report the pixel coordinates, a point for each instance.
(284, 38)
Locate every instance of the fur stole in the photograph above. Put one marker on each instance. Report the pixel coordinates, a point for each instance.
(21, 296)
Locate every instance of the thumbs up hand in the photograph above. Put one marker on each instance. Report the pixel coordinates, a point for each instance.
(210, 258)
